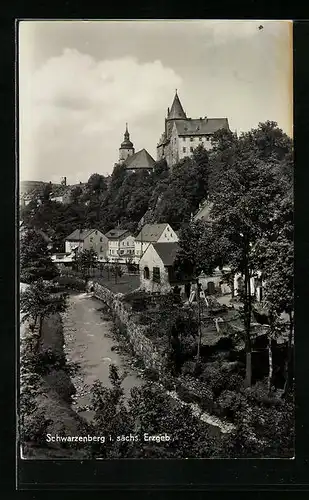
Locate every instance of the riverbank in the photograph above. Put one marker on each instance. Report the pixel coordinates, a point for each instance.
(90, 346)
(145, 357)
(46, 394)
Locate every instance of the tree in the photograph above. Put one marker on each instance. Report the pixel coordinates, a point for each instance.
(246, 187)
(96, 184)
(36, 303)
(201, 168)
(35, 260)
(85, 260)
(147, 411)
(274, 254)
(47, 191)
(76, 194)
(244, 203)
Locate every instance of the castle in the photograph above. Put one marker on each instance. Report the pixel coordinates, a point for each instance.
(179, 139)
(182, 135)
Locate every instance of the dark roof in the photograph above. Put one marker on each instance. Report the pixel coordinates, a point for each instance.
(167, 252)
(140, 160)
(151, 232)
(115, 234)
(176, 111)
(204, 212)
(78, 235)
(200, 126)
(126, 145)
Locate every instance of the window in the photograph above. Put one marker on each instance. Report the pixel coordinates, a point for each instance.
(208, 138)
(101, 239)
(146, 273)
(184, 150)
(101, 249)
(110, 252)
(191, 149)
(122, 252)
(156, 274)
(191, 139)
(200, 139)
(96, 232)
(127, 243)
(91, 240)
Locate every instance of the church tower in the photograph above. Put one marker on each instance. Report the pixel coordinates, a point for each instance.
(175, 113)
(126, 149)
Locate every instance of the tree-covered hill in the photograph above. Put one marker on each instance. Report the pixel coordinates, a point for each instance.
(128, 199)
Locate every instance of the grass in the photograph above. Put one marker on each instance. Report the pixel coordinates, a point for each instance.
(124, 284)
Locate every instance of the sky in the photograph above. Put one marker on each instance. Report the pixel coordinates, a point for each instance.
(81, 81)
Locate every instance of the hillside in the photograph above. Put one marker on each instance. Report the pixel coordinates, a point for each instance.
(28, 187)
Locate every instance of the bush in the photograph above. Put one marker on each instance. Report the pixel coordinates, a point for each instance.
(259, 394)
(34, 428)
(228, 404)
(145, 318)
(187, 395)
(207, 399)
(192, 368)
(72, 282)
(221, 376)
(48, 360)
(152, 374)
(59, 381)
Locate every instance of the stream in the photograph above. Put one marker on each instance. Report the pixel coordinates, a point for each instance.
(89, 343)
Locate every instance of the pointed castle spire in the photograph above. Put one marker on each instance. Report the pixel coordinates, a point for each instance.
(176, 111)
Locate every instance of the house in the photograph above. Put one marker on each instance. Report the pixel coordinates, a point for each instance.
(120, 245)
(157, 270)
(153, 233)
(203, 212)
(182, 134)
(215, 283)
(58, 199)
(86, 239)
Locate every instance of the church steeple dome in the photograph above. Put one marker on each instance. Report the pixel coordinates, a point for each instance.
(126, 143)
(126, 149)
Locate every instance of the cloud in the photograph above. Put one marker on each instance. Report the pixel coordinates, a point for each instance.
(71, 106)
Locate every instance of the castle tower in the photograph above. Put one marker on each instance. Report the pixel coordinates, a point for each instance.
(175, 113)
(126, 149)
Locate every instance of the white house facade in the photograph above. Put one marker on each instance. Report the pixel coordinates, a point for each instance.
(88, 239)
(120, 246)
(153, 233)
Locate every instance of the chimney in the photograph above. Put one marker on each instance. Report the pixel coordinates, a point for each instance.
(65, 181)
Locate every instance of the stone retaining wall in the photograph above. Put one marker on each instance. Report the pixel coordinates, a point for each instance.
(142, 346)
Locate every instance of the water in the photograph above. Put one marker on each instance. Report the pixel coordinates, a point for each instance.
(88, 342)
